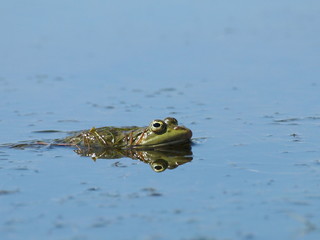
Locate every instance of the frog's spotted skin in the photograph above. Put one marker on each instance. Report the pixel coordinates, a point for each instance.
(160, 133)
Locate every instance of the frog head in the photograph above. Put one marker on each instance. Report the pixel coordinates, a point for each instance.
(163, 133)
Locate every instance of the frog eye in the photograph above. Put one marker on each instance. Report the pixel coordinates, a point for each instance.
(158, 126)
(159, 165)
(171, 120)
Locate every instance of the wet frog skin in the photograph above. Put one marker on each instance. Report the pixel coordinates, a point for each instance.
(159, 133)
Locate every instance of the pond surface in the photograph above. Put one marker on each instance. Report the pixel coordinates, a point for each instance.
(243, 75)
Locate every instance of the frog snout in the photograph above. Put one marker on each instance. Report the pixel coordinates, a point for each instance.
(187, 131)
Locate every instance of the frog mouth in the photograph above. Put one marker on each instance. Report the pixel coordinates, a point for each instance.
(172, 143)
(168, 144)
(177, 140)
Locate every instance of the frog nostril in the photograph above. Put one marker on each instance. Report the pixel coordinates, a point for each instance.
(179, 128)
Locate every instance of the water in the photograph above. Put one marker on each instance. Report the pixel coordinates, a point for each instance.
(244, 76)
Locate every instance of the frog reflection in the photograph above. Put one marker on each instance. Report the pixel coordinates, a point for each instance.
(158, 159)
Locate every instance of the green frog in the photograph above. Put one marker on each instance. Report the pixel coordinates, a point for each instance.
(159, 133)
(163, 144)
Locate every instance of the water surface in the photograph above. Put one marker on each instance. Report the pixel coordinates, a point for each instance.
(244, 76)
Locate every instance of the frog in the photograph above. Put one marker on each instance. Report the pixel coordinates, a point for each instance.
(159, 133)
(163, 144)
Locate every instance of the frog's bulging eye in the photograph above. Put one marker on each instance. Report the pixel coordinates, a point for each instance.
(159, 165)
(171, 121)
(158, 126)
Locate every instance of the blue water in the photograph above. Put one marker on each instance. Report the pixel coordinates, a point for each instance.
(243, 75)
